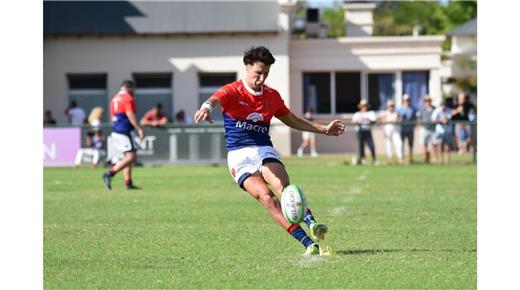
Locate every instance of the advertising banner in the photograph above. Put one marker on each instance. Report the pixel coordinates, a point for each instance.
(60, 146)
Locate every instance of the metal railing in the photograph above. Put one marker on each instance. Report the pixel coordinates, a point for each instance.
(205, 143)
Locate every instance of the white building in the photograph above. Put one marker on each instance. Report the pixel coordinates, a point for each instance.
(461, 60)
(180, 52)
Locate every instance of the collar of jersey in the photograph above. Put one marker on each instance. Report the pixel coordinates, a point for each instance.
(250, 90)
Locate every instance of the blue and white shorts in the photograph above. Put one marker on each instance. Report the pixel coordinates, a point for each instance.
(125, 142)
(245, 161)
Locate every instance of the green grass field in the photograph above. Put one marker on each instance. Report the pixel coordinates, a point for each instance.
(191, 227)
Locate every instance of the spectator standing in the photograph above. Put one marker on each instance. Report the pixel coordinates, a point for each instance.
(443, 137)
(154, 117)
(363, 120)
(392, 132)
(462, 114)
(125, 131)
(76, 114)
(95, 118)
(407, 115)
(427, 127)
(309, 138)
(48, 119)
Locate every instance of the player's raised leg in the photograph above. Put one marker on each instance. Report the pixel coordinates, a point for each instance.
(275, 175)
(255, 185)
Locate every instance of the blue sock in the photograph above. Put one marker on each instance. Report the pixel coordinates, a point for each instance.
(309, 218)
(298, 233)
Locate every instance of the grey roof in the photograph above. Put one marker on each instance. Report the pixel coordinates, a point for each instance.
(155, 17)
(468, 28)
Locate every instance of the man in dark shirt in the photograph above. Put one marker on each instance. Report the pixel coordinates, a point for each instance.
(462, 114)
(48, 119)
(407, 115)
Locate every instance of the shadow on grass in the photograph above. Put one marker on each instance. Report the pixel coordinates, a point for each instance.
(381, 251)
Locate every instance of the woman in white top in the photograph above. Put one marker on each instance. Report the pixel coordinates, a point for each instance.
(392, 132)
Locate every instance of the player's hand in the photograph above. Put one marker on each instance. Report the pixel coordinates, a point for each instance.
(335, 128)
(202, 115)
(140, 133)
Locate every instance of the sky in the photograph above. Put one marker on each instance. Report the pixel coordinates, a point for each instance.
(320, 3)
(330, 3)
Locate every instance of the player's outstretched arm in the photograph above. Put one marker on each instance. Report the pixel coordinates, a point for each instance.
(334, 128)
(204, 113)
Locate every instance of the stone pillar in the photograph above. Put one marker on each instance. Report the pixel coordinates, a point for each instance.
(358, 19)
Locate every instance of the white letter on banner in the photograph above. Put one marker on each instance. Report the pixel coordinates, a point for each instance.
(51, 152)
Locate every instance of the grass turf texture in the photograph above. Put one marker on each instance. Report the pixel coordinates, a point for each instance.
(191, 227)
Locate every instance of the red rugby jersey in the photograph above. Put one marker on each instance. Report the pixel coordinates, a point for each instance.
(119, 105)
(247, 115)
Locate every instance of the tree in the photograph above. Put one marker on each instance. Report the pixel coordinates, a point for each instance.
(459, 12)
(400, 18)
(335, 19)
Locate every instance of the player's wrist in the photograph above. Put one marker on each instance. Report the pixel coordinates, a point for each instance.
(206, 106)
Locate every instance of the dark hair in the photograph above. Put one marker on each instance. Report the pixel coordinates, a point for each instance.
(128, 84)
(259, 53)
(158, 106)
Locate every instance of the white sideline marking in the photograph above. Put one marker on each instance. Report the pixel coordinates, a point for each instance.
(308, 261)
(337, 211)
(348, 199)
(363, 176)
(356, 190)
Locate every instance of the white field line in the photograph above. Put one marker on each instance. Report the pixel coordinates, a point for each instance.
(337, 211)
(348, 199)
(308, 261)
(356, 190)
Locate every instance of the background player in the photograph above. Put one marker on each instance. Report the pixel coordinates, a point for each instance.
(248, 106)
(308, 137)
(124, 127)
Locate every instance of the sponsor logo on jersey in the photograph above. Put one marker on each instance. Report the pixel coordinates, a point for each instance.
(250, 127)
(255, 117)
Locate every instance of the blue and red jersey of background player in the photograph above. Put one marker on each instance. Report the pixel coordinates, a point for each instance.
(119, 105)
(247, 115)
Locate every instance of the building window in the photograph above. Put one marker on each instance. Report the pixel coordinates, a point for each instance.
(416, 86)
(316, 92)
(89, 91)
(348, 91)
(380, 89)
(210, 83)
(151, 89)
